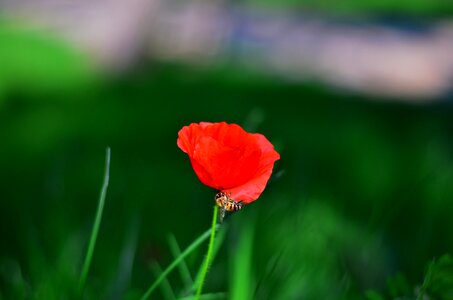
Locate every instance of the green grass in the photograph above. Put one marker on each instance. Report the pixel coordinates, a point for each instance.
(359, 204)
(32, 61)
(96, 225)
(177, 261)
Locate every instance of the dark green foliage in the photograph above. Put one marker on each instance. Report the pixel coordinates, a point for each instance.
(407, 8)
(438, 283)
(359, 203)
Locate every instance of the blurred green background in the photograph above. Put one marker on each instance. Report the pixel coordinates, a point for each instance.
(358, 206)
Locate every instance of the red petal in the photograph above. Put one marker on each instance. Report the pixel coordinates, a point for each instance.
(227, 158)
(251, 190)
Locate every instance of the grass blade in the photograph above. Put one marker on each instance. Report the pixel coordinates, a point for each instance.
(177, 261)
(208, 296)
(241, 277)
(183, 269)
(167, 291)
(97, 223)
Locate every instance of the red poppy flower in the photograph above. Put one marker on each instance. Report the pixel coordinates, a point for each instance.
(229, 159)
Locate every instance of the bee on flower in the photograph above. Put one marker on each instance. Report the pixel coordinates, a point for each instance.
(226, 204)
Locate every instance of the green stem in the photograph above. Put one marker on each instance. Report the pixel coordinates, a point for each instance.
(178, 260)
(217, 244)
(209, 254)
(97, 223)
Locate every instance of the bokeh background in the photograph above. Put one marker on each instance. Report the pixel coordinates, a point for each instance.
(356, 96)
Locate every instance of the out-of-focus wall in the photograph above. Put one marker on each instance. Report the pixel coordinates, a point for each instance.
(410, 60)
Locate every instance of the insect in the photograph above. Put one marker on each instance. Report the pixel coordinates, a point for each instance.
(224, 201)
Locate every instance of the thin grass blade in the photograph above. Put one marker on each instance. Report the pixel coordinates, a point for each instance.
(166, 289)
(241, 276)
(183, 269)
(195, 244)
(97, 223)
(207, 296)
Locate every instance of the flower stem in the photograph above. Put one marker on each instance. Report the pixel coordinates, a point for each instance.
(177, 261)
(209, 254)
